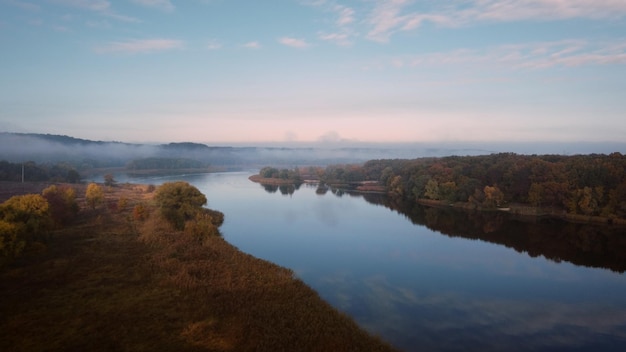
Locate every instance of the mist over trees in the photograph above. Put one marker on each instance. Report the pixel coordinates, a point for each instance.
(84, 155)
(33, 172)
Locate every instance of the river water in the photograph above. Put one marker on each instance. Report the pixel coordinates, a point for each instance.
(427, 279)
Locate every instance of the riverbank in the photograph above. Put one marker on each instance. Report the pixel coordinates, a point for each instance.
(114, 282)
(529, 211)
(361, 187)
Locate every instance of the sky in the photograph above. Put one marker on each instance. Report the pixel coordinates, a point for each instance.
(234, 71)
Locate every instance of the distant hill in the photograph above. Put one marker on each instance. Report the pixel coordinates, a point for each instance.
(86, 154)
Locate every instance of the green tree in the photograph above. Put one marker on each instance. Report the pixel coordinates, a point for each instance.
(73, 176)
(534, 194)
(94, 195)
(447, 190)
(432, 189)
(109, 180)
(179, 202)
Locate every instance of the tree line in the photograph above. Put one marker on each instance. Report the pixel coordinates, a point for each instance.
(589, 185)
(33, 172)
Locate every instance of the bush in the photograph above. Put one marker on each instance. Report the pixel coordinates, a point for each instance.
(140, 212)
(62, 201)
(94, 195)
(22, 220)
(179, 202)
(201, 227)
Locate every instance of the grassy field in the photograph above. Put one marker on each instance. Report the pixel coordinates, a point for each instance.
(113, 283)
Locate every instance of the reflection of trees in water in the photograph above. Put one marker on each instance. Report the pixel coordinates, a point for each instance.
(270, 188)
(285, 190)
(557, 240)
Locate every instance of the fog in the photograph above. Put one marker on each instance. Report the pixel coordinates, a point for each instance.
(39, 148)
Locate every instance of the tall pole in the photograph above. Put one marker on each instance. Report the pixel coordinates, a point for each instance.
(22, 172)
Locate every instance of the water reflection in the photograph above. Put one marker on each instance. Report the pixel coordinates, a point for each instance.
(428, 279)
(591, 245)
(598, 246)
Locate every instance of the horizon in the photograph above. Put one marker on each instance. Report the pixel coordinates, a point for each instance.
(391, 149)
(315, 71)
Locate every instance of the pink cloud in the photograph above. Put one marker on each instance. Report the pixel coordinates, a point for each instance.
(392, 16)
(534, 56)
(341, 39)
(138, 46)
(163, 5)
(294, 42)
(252, 45)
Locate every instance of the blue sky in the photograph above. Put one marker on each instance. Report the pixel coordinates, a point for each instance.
(233, 71)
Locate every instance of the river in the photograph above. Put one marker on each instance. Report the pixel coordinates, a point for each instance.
(428, 279)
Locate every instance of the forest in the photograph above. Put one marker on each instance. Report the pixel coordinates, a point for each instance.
(570, 186)
(590, 185)
(33, 172)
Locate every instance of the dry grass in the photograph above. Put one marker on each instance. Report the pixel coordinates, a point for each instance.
(113, 283)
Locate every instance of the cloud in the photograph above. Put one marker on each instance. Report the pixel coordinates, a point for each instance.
(101, 7)
(213, 45)
(252, 45)
(24, 5)
(385, 18)
(516, 10)
(389, 17)
(341, 39)
(137, 46)
(121, 18)
(163, 5)
(343, 22)
(541, 55)
(331, 137)
(346, 15)
(294, 42)
(92, 5)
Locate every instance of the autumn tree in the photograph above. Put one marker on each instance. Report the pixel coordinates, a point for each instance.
(432, 189)
(493, 196)
(62, 202)
(179, 202)
(94, 195)
(11, 243)
(22, 219)
(31, 213)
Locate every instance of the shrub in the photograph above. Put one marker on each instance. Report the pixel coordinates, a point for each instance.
(94, 195)
(62, 202)
(179, 202)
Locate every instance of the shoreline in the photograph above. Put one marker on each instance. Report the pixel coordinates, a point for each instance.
(528, 211)
(101, 283)
(515, 209)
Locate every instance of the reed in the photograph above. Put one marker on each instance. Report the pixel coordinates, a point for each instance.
(112, 281)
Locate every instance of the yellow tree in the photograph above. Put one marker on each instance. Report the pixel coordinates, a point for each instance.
(22, 219)
(94, 195)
